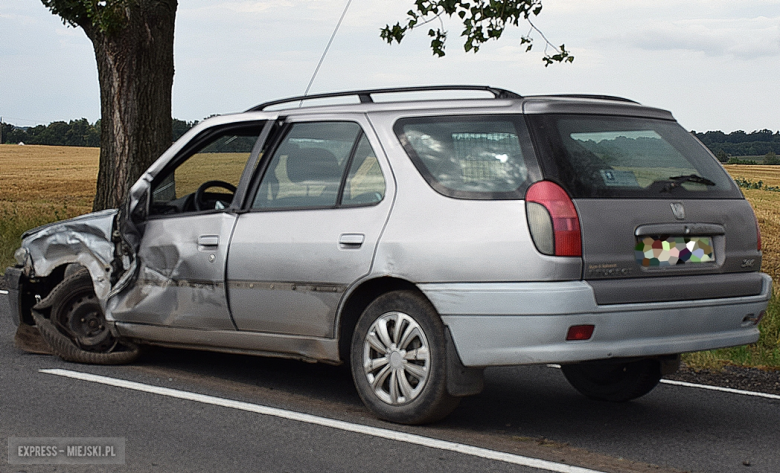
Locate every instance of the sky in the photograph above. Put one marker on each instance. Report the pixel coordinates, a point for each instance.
(714, 63)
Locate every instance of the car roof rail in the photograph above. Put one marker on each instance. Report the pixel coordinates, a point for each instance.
(595, 97)
(365, 96)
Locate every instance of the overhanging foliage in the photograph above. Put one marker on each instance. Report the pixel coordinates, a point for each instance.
(482, 21)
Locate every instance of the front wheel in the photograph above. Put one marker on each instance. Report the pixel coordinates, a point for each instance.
(76, 329)
(614, 381)
(398, 360)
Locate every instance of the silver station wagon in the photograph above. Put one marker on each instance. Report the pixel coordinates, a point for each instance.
(418, 241)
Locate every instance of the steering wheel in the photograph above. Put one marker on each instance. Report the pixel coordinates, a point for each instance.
(200, 194)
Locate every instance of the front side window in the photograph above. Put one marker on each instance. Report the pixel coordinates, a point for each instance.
(208, 177)
(603, 156)
(467, 157)
(321, 165)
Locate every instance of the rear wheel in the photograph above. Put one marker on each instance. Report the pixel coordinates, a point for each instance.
(611, 381)
(399, 360)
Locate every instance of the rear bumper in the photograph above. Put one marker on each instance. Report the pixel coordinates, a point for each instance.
(526, 323)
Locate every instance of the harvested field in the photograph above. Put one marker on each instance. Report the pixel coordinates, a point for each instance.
(42, 184)
(767, 208)
(769, 175)
(48, 174)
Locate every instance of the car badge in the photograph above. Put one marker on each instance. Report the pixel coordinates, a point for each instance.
(678, 210)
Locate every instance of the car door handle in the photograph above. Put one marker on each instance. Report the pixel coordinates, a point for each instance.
(208, 240)
(351, 240)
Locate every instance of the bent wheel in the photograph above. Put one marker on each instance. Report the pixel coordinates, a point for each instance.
(399, 360)
(83, 319)
(77, 329)
(615, 382)
(77, 313)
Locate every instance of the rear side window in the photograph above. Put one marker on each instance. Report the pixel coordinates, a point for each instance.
(321, 165)
(599, 156)
(473, 157)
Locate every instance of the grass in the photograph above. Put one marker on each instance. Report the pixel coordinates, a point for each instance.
(764, 354)
(41, 184)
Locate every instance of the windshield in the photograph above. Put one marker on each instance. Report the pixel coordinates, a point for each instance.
(598, 156)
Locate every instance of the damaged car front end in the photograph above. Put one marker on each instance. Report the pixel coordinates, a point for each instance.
(64, 274)
(74, 281)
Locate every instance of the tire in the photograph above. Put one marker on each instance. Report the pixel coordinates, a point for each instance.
(76, 329)
(399, 360)
(614, 382)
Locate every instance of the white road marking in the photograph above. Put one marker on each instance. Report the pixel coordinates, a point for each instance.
(4, 292)
(718, 388)
(325, 422)
(705, 386)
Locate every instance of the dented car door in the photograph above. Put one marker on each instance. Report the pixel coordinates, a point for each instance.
(182, 253)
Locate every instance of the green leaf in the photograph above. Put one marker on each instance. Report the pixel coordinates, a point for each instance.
(482, 20)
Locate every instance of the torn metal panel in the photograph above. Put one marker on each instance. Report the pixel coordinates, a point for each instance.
(85, 240)
(180, 277)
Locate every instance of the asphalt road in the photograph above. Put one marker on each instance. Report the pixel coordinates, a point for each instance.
(528, 412)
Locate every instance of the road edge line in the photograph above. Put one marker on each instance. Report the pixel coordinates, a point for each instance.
(719, 388)
(326, 422)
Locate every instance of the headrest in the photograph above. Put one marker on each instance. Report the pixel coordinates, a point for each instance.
(312, 164)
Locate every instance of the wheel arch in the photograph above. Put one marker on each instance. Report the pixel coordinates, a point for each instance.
(461, 381)
(357, 301)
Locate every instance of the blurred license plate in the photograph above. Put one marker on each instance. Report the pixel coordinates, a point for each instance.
(665, 250)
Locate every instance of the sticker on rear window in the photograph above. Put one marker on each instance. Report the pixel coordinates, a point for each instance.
(673, 250)
(613, 178)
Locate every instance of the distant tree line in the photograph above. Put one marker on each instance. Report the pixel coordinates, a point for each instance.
(73, 133)
(738, 143)
(727, 147)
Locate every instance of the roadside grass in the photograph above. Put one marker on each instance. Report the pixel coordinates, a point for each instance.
(42, 184)
(764, 354)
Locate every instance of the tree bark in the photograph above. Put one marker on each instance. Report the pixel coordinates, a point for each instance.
(135, 72)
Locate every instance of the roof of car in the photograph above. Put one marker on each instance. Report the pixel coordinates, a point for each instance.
(441, 97)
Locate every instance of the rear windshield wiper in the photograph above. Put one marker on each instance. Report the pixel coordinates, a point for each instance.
(677, 181)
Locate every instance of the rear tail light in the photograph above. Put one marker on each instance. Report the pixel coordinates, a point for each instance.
(553, 220)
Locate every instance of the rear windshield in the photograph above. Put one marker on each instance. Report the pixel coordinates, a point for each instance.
(599, 156)
(470, 157)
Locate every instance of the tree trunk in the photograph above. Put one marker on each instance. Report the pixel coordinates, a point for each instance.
(135, 71)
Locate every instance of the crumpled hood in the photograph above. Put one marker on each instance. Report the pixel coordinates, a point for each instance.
(85, 240)
(90, 217)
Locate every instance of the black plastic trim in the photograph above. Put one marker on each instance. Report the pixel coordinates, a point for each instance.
(365, 95)
(676, 288)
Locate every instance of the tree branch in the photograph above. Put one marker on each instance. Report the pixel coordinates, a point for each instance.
(483, 20)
